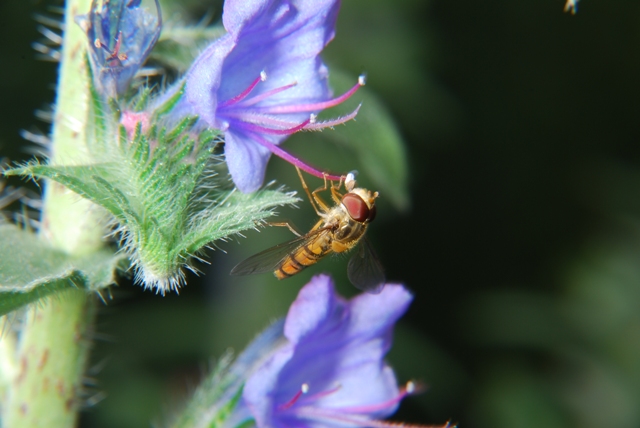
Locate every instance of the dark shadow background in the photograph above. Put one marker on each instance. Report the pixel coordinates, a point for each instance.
(521, 244)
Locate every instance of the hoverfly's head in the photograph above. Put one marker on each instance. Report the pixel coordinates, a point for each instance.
(360, 203)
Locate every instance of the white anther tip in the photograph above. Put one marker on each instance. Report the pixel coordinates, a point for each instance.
(411, 387)
(304, 388)
(350, 181)
(312, 118)
(263, 75)
(362, 79)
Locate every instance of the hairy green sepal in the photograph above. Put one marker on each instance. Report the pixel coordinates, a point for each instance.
(218, 402)
(215, 399)
(169, 195)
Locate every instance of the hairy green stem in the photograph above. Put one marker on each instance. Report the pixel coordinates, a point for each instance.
(52, 353)
(52, 349)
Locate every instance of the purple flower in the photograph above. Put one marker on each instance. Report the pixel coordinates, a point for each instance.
(263, 81)
(331, 371)
(121, 35)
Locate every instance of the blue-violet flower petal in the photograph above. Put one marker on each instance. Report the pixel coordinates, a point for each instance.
(263, 80)
(331, 372)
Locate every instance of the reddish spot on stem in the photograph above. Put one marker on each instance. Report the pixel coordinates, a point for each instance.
(75, 50)
(24, 409)
(60, 389)
(24, 365)
(43, 360)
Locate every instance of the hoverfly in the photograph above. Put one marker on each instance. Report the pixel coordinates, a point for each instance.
(339, 229)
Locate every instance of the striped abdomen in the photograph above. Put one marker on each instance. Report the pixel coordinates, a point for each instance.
(334, 240)
(306, 255)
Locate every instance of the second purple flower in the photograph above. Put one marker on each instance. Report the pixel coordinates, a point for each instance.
(331, 371)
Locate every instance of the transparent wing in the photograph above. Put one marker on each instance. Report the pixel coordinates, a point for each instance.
(365, 270)
(271, 258)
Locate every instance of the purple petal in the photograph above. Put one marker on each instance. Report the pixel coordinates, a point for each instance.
(261, 388)
(246, 160)
(237, 12)
(240, 13)
(204, 78)
(284, 41)
(317, 308)
(282, 38)
(359, 332)
(315, 305)
(372, 314)
(337, 348)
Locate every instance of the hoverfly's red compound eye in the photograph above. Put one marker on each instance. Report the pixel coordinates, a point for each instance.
(372, 214)
(356, 207)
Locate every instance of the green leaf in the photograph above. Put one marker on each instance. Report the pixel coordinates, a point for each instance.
(30, 270)
(85, 180)
(375, 140)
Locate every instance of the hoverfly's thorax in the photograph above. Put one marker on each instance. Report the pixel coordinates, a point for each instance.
(350, 230)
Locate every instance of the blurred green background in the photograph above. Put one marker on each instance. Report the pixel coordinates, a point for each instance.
(521, 240)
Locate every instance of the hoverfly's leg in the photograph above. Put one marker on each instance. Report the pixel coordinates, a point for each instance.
(286, 224)
(333, 186)
(316, 201)
(335, 191)
(318, 198)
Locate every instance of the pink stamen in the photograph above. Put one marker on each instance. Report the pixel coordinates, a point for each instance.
(408, 389)
(267, 94)
(303, 390)
(288, 131)
(325, 393)
(349, 415)
(315, 106)
(116, 49)
(260, 119)
(245, 93)
(281, 153)
(115, 58)
(337, 416)
(333, 122)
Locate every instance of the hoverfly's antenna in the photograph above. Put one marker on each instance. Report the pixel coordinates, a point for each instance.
(350, 180)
